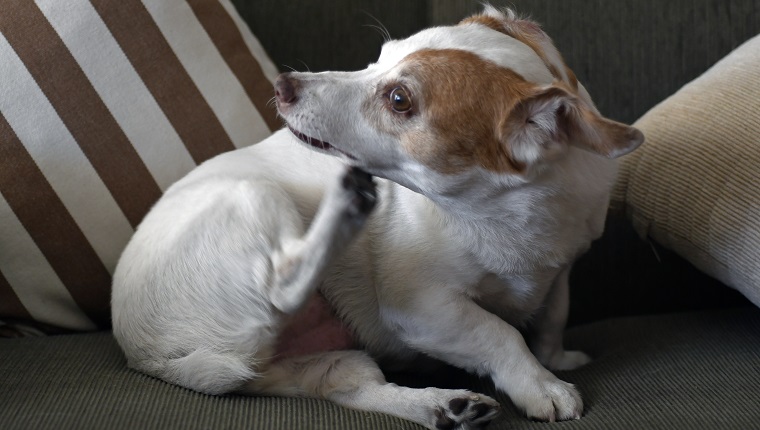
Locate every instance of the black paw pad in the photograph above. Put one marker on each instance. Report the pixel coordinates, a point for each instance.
(457, 406)
(361, 183)
(443, 422)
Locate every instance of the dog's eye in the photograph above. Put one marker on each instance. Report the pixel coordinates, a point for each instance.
(400, 101)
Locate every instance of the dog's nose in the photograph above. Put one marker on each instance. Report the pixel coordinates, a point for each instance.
(285, 89)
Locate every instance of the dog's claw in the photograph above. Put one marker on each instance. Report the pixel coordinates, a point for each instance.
(555, 400)
(361, 183)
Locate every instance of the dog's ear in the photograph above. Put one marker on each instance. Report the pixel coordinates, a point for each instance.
(543, 123)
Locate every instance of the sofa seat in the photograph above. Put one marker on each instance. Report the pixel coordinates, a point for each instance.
(695, 370)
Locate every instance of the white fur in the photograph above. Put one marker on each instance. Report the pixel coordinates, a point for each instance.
(446, 266)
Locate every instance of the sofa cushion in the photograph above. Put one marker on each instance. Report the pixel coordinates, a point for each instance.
(103, 105)
(693, 186)
(630, 54)
(678, 371)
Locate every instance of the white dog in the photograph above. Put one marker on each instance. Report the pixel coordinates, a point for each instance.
(496, 175)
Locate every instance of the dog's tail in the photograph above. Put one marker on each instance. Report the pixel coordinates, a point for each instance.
(209, 372)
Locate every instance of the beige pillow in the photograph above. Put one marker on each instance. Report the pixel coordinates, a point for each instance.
(694, 186)
(103, 105)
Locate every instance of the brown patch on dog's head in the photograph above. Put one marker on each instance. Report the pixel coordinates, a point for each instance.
(530, 33)
(458, 100)
(465, 111)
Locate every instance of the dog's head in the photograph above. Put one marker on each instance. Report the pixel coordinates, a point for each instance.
(490, 95)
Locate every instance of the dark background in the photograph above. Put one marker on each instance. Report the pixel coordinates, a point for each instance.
(644, 56)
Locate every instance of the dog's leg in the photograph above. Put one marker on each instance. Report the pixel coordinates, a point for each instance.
(301, 263)
(296, 269)
(352, 379)
(455, 329)
(549, 325)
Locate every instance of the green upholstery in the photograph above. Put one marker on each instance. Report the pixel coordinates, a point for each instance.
(631, 54)
(337, 35)
(675, 371)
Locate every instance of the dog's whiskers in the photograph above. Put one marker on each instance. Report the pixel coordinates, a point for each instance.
(308, 69)
(319, 136)
(386, 35)
(380, 30)
(293, 69)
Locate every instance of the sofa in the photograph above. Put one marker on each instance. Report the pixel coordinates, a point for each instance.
(666, 302)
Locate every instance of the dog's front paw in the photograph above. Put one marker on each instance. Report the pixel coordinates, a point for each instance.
(550, 399)
(362, 193)
(466, 411)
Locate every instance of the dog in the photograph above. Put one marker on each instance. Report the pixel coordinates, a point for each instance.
(434, 201)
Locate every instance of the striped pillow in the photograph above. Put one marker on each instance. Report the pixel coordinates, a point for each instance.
(103, 105)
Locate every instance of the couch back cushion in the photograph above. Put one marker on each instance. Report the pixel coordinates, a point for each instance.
(630, 54)
(103, 105)
(694, 186)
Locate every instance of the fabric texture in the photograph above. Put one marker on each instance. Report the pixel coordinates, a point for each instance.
(630, 54)
(339, 35)
(678, 371)
(693, 186)
(103, 105)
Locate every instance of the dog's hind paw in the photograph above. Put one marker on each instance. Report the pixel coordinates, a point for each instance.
(363, 193)
(471, 411)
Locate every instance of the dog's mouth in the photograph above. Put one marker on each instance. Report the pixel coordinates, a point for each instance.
(316, 143)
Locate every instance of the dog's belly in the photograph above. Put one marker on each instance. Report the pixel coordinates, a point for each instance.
(315, 328)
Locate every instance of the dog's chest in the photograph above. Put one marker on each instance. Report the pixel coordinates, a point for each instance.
(315, 328)
(515, 299)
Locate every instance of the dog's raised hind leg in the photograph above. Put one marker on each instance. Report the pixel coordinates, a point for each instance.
(300, 264)
(352, 379)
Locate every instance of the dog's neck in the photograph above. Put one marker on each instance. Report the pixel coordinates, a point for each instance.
(494, 220)
(489, 228)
